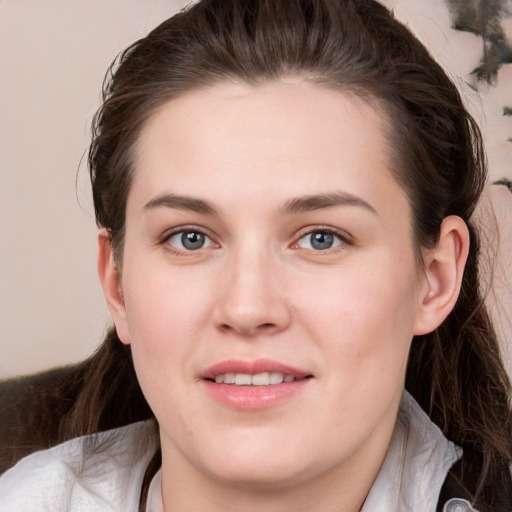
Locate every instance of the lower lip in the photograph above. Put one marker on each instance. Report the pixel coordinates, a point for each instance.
(253, 397)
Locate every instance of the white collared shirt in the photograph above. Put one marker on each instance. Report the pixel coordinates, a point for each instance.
(77, 477)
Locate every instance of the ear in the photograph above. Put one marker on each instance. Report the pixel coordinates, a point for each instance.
(110, 278)
(444, 268)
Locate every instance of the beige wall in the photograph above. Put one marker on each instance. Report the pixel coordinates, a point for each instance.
(53, 54)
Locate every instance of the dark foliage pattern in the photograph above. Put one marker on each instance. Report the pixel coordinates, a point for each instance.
(484, 18)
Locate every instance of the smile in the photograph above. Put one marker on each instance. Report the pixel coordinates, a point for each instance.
(259, 379)
(253, 385)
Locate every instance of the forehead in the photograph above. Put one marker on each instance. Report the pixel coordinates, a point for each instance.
(275, 140)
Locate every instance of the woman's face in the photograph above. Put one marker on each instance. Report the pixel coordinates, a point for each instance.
(267, 243)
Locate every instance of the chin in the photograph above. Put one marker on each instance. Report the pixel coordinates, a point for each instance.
(262, 466)
(261, 476)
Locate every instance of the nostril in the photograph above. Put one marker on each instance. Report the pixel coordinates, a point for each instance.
(247, 330)
(266, 328)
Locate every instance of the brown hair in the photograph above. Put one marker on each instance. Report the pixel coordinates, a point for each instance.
(355, 46)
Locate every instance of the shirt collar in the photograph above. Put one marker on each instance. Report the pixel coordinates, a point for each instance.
(418, 460)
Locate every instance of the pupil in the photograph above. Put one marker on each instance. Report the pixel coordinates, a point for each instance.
(321, 240)
(192, 240)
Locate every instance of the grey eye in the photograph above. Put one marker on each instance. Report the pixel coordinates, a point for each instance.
(189, 240)
(192, 240)
(319, 240)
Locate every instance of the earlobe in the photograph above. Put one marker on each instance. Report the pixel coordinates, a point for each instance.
(110, 278)
(444, 268)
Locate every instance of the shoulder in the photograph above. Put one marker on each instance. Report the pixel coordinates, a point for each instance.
(93, 473)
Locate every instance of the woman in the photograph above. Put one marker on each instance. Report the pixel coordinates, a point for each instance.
(284, 191)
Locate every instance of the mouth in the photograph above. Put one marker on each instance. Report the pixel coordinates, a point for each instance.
(254, 384)
(259, 379)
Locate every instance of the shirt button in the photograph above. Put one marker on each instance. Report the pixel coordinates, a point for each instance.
(458, 505)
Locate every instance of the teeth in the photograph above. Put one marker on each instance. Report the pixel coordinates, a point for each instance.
(229, 378)
(259, 379)
(276, 378)
(243, 379)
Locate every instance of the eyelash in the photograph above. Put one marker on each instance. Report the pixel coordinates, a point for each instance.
(165, 240)
(342, 238)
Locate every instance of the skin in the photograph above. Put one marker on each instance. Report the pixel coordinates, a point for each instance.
(259, 289)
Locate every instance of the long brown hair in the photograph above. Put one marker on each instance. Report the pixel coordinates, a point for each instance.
(354, 46)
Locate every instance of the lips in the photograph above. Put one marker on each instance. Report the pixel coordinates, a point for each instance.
(254, 384)
(253, 368)
(259, 379)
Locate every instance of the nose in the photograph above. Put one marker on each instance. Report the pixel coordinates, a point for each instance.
(252, 301)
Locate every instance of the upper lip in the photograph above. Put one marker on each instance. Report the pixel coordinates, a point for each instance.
(253, 368)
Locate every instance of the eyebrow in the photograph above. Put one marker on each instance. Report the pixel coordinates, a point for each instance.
(296, 205)
(176, 201)
(320, 201)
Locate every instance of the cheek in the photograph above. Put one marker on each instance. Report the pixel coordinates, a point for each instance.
(162, 303)
(165, 311)
(364, 316)
(164, 319)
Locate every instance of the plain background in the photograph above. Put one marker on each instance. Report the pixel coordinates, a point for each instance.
(53, 55)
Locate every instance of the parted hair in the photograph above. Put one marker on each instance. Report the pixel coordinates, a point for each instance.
(359, 48)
